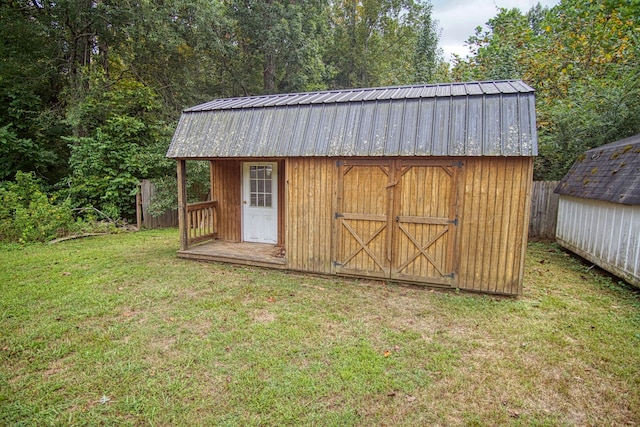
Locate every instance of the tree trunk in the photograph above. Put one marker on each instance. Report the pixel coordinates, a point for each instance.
(269, 74)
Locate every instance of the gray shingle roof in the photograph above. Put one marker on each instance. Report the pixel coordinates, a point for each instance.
(610, 173)
(456, 119)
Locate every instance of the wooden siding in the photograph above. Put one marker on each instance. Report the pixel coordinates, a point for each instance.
(607, 234)
(494, 215)
(395, 219)
(182, 203)
(310, 187)
(226, 180)
(425, 216)
(226, 185)
(282, 205)
(362, 224)
(490, 198)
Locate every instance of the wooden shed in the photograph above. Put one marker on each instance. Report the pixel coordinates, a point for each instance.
(425, 184)
(599, 208)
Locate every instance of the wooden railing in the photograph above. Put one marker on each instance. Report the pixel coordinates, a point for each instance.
(202, 221)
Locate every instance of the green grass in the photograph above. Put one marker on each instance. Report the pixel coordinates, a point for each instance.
(116, 330)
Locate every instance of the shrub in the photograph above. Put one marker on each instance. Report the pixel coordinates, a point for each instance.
(28, 214)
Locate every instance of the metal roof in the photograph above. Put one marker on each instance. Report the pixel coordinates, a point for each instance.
(494, 118)
(610, 173)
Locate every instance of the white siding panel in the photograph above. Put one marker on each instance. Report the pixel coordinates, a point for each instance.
(636, 253)
(606, 234)
(633, 244)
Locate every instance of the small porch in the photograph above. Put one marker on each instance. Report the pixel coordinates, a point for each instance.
(200, 240)
(245, 253)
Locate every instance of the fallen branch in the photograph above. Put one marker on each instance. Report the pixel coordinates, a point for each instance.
(76, 236)
(89, 208)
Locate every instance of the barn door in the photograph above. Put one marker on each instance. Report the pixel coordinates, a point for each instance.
(424, 222)
(361, 232)
(396, 219)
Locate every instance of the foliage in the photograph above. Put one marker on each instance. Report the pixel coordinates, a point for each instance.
(594, 113)
(89, 90)
(381, 43)
(21, 153)
(279, 45)
(583, 59)
(124, 143)
(428, 60)
(28, 214)
(31, 127)
(166, 194)
(497, 49)
(182, 49)
(589, 80)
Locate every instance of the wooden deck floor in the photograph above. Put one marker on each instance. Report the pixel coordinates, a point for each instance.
(258, 254)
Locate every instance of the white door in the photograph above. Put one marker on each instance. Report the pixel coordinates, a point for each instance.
(260, 202)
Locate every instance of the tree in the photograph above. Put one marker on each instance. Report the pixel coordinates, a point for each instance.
(89, 89)
(380, 42)
(427, 58)
(586, 70)
(279, 44)
(495, 52)
(124, 143)
(31, 124)
(583, 59)
(180, 48)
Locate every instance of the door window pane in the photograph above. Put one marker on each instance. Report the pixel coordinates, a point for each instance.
(260, 186)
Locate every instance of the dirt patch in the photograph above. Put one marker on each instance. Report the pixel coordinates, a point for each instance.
(263, 316)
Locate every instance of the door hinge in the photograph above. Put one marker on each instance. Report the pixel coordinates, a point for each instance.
(337, 215)
(453, 221)
(336, 264)
(458, 164)
(339, 163)
(450, 275)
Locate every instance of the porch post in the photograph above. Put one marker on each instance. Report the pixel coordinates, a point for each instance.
(182, 204)
(211, 178)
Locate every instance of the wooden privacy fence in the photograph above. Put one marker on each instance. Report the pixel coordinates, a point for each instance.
(544, 211)
(144, 217)
(202, 217)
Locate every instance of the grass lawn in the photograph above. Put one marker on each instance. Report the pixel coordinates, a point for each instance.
(115, 330)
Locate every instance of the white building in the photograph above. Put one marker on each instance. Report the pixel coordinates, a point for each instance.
(599, 209)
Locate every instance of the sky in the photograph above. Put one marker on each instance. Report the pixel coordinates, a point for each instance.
(458, 19)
